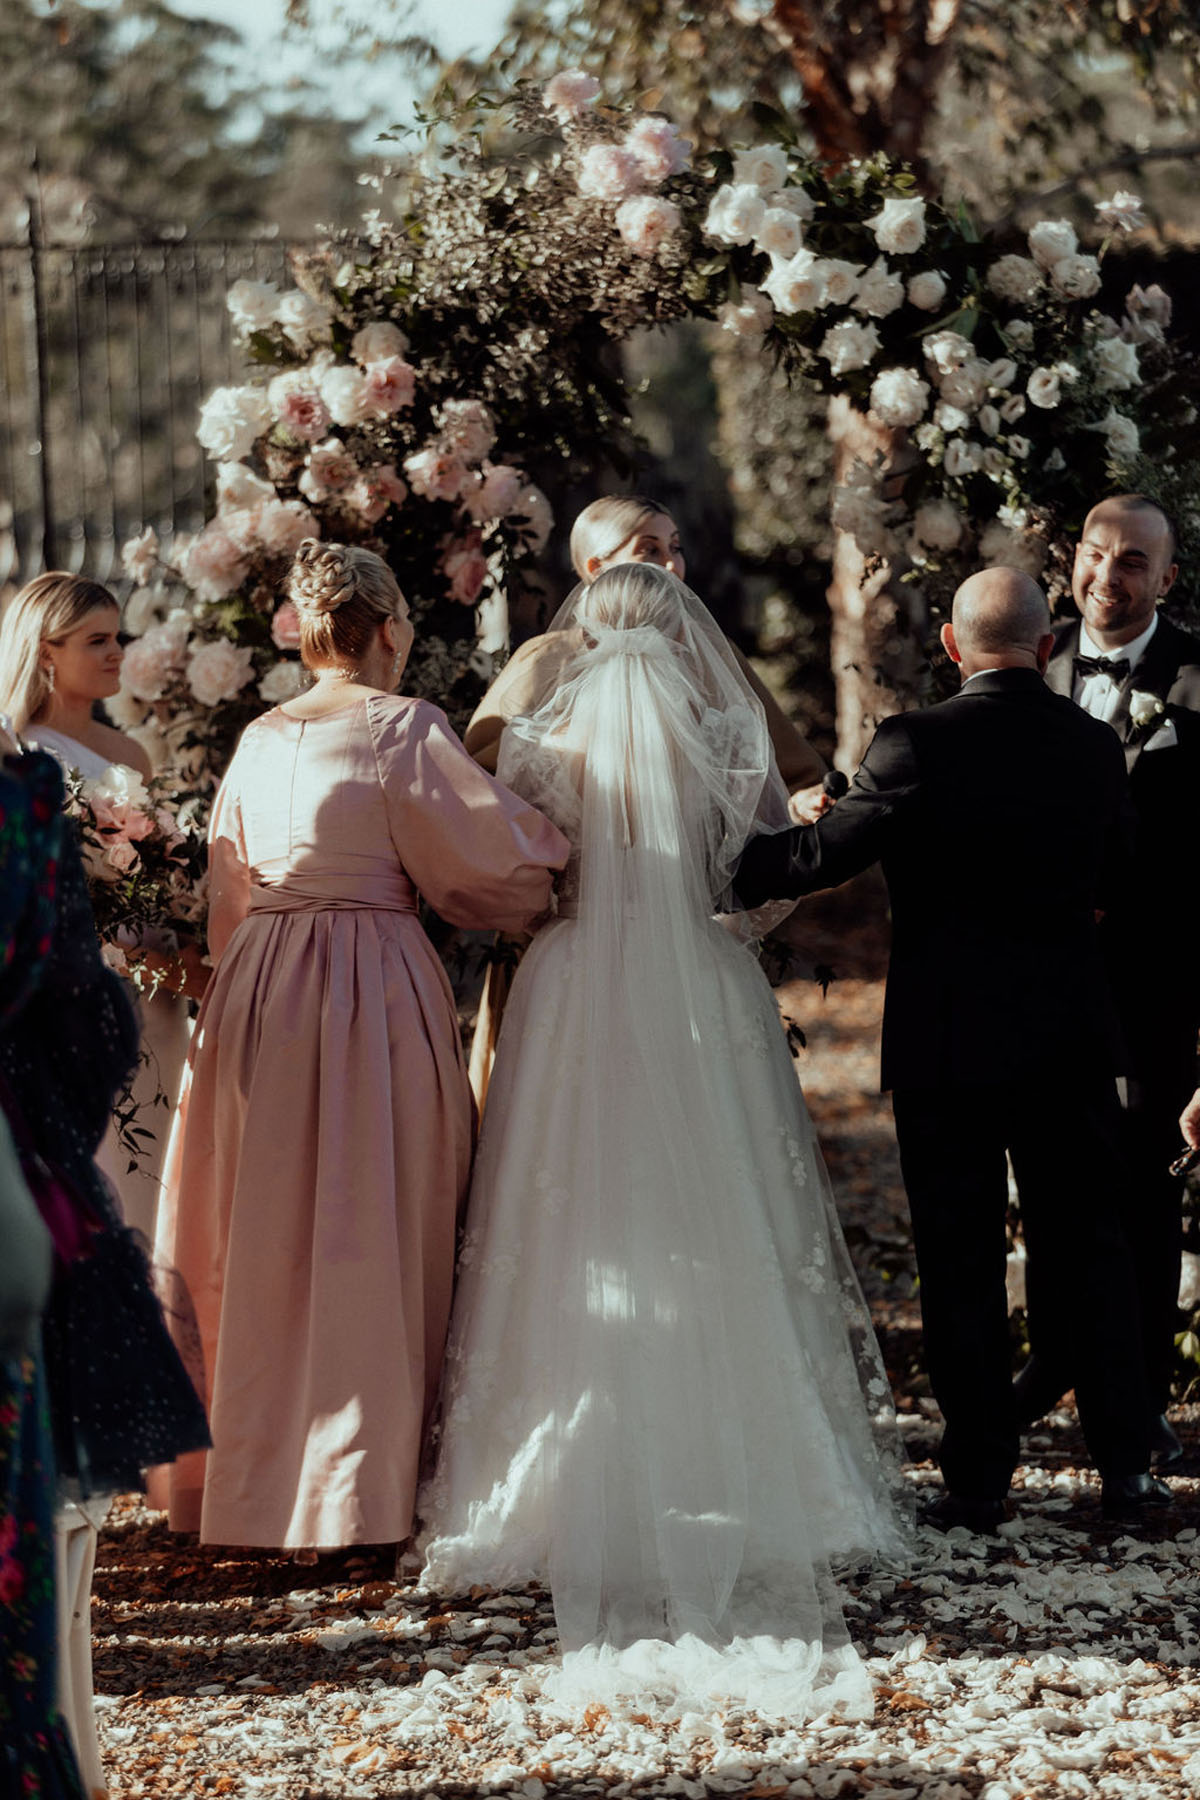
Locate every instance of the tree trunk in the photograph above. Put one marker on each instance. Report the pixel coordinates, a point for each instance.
(877, 627)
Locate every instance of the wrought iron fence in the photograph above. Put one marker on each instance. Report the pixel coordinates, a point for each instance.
(105, 356)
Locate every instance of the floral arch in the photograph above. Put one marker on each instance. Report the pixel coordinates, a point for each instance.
(420, 388)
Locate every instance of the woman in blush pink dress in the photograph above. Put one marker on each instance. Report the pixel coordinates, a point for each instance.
(324, 1141)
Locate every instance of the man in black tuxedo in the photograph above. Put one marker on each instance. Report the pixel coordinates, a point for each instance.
(1124, 664)
(1001, 819)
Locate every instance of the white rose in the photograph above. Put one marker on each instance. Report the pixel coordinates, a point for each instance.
(238, 488)
(1076, 277)
(796, 286)
(305, 321)
(231, 419)
(1144, 707)
(949, 418)
(1015, 279)
(848, 346)
(1116, 364)
(377, 342)
(967, 385)
(283, 682)
(840, 280)
(780, 233)
(252, 304)
(735, 214)
(898, 397)
(879, 292)
(344, 391)
(927, 290)
(938, 525)
(1044, 389)
(764, 167)
(1121, 434)
(900, 228)
(1051, 240)
(947, 350)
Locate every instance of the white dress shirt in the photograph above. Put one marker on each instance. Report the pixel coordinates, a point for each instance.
(1100, 694)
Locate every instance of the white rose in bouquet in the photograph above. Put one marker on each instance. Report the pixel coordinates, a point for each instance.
(797, 285)
(949, 418)
(848, 346)
(345, 393)
(840, 280)
(1044, 389)
(780, 233)
(879, 292)
(1076, 277)
(765, 167)
(1116, 365)
(252, 304)
(927, 290)
(1121, 434)
(899, 229)
(218, 671)
(215, 565)
(657, 149)
(377, 342)
(305, 321)
(238, 487)
(898, 397)
(606, 172)
(231, 420)
(967, 385)
(734, 214)
(947, 350)
(1051, 240)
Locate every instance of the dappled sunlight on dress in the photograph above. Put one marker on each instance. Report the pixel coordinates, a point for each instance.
(324, 1141)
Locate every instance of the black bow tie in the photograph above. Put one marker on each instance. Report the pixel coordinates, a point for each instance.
(1116, 666)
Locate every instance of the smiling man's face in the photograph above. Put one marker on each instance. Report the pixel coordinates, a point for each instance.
(1123, 567)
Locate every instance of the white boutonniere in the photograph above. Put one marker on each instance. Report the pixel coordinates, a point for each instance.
(1144, 709)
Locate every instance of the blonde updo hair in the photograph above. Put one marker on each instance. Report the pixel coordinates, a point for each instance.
(342, 594)
(47, 608)
(603, 527)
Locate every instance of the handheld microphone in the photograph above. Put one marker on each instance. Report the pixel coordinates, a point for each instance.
(835, 784)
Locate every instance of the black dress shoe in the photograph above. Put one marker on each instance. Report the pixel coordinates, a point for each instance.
(961, 1509)
(1166, 1451)
(1131, 1496)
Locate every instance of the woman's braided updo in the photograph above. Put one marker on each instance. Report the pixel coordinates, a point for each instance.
(341, 593)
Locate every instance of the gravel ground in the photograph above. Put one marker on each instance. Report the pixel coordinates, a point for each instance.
(1061, 1658)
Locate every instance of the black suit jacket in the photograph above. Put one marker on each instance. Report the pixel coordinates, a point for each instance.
(1001, 818)
(1152, 940)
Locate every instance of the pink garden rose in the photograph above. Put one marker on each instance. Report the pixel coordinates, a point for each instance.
(151, 661)
(466, 427)
(298, 406)
(435, 474)
(285, 627)
(388, 387)
(646, 222)
(465, 568)
(492, 492)
(120, 856)
(567, 93)
(139, 556)
(377, 342)
(218, 670)
(330, 468)
(606, 172)
(657, 149)
(284, 524)
(214, 565)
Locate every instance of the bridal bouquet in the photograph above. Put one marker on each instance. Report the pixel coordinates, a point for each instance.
(145, 857)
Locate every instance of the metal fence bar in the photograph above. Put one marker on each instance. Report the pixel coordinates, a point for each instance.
(106, 353)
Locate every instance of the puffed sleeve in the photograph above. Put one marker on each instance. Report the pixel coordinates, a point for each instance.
(477, 853)
(228, 866)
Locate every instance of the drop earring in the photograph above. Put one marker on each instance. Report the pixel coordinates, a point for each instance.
(50, 676)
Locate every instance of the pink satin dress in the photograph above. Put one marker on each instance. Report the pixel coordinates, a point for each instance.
(323, 1145)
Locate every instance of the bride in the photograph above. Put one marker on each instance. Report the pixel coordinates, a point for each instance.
(663, 1397)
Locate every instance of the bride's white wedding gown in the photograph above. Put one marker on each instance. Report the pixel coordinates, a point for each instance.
(663, 1397)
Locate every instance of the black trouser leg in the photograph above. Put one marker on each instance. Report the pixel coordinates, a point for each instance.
(952, 1153)
(1068, 1164)
(1152, 1215)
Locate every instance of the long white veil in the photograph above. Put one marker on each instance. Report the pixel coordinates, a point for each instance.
(663, 1391)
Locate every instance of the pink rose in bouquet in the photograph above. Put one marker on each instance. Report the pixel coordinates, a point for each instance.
(435, 474)
(285, 627)
(646, 222)
(218, 671)
(466, 427)
(465, 568)
(606, 172)
(152, 661)
(284, 524)
(657, 149)
(330, 467)
(567, 93)
(388, 387)
(299, 405)
(214, 566)
(377, 342)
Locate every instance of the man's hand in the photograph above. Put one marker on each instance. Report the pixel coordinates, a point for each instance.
(1189, 1121)
(808, 804)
